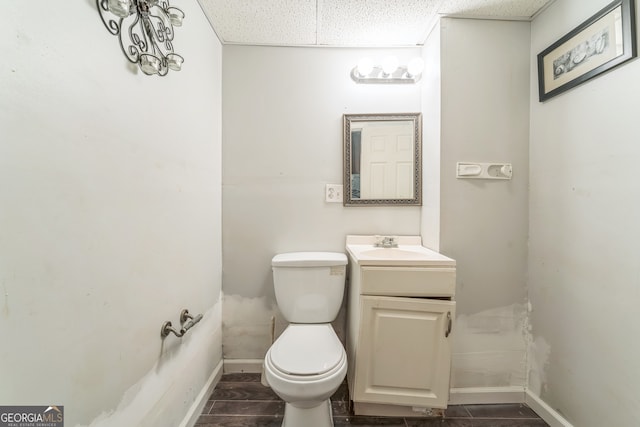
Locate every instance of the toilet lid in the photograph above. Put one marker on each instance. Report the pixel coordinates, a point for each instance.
(307, 350)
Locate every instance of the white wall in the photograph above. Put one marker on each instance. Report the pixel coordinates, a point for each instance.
(110, 212)
(282, 113)
(584, 274)
(483, 94)
(431, 148)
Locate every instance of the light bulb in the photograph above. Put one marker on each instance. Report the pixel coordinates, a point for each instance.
(149, 64)
(415, 66)
(120, 8)
(389, 65)
(175, 16)
(174, 61)
(365, 66)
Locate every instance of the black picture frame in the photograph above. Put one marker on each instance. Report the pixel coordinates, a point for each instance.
(601, 43)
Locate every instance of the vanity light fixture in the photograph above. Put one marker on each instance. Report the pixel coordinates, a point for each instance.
(388, 71)
(147, 39)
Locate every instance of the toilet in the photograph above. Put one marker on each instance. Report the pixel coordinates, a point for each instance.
(307, 363)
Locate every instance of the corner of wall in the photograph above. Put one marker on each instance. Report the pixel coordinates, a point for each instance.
(431, 115)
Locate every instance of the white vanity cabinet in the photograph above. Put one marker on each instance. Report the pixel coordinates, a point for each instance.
(400, 319)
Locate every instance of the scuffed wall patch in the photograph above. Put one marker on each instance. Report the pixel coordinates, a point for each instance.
(164, 395)
(247, 326)
(539, 351)
(490, 348)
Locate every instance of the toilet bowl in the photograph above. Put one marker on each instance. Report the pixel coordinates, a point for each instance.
(307, 363)
(304, 367)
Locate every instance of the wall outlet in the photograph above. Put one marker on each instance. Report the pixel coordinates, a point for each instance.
(333, 193)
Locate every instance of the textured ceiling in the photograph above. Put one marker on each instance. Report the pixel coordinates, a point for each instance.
(349, 22)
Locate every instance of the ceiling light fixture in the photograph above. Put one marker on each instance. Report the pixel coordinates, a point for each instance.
(388, 71)
(148, 36)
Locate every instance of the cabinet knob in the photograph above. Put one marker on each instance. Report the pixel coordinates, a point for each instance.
(449, 325)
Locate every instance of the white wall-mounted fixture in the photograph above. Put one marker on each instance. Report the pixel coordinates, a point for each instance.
(147, 39)
(388, 71)
(333, 193)
(484, 170)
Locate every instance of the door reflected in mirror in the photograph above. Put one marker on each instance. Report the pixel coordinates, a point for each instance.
(382, 154)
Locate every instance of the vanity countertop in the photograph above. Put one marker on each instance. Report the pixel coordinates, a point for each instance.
(409, 252)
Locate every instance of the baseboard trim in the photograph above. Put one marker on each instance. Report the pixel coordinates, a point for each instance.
(196, 409)
(242, 365)
(457, 396)
(490, 395)
(546, 412)
(486, 395)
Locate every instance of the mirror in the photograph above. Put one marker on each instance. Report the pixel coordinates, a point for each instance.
(382, 159)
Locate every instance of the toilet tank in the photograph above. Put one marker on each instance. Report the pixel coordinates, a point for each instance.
(309, 286)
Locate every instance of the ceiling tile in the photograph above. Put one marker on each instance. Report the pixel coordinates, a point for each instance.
(374, 22)
(274, 22)
(520, 9)
(348, 22)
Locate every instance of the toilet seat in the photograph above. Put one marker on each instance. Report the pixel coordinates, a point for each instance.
(307, 350)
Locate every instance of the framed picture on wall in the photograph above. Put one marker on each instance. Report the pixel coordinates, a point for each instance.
(600, 43)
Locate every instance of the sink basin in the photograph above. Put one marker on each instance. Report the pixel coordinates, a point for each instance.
(408, 253)
(392, 253)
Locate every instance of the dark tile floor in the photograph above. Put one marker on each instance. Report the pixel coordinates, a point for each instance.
(240, 400)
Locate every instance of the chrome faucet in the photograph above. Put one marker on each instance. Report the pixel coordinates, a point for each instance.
(386, 242)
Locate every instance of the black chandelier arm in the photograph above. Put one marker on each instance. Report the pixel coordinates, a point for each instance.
(112, 25)
(163, 31)
(158, 33)
(135, 44)
(153, 38)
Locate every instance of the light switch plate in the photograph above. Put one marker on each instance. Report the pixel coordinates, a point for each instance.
(333, 193)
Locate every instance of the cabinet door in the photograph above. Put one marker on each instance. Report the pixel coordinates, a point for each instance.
(404, 353)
